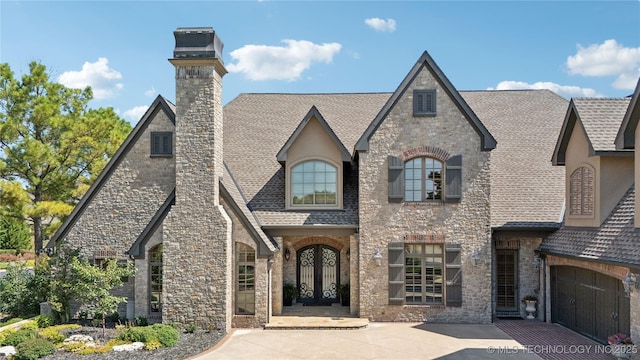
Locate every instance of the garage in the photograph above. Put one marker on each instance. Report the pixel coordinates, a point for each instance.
(589, 302)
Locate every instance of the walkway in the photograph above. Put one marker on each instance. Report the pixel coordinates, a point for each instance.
(553, 341)
(505, 339)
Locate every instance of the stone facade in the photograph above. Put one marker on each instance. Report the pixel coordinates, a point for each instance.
(197, 231)
(466, 223)
(136, 187)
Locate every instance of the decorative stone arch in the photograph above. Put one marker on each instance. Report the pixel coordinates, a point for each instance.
(322, 240)
(614, 271)
(425, 150)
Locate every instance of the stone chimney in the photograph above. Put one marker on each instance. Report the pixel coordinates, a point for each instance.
(197, 232)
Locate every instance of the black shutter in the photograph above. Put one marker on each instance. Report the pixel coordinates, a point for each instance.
(396, 273)
(396, 179)
(453, 179)
(453, 273)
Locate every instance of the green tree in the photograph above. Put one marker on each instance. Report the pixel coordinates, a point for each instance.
(93, 285)
(14, 234)
(53, 147)
(19, 292)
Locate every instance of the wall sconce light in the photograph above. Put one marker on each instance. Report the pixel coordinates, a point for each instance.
(475, 256)
(378, 258)
(287, 254)
(349, 254)
(536, 261)
(630, 282)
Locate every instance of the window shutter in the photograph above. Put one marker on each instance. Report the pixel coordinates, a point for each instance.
(453, 181)
(396, 179)
(396, 273)
(453, 273)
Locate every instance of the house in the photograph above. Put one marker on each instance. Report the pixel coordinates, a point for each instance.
(592, 262)
(429, 202)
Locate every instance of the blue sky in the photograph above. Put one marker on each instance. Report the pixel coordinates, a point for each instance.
(120, 48)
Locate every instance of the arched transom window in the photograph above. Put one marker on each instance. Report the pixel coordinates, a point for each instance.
(423, 179)
(314, 183)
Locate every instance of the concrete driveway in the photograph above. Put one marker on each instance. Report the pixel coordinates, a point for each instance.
(377, 341)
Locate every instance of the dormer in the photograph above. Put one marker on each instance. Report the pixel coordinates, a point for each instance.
(597, 174)
(629, 139)
(314, 160)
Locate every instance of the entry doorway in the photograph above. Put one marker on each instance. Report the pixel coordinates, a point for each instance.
(507, 283)
(318, 274)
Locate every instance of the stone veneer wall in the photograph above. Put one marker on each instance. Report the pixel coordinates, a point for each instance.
(125, 204)
(466, 223)
(197, 232)
(529, 279)
(241, 235)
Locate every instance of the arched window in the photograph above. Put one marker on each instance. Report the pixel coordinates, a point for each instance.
(155, 279)
(313, 183)
(423, 179)
(581, 190)
(246, 280)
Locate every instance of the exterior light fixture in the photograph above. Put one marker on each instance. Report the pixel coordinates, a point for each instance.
(378, 258)
(630, 282)
(287, 254)
(536, 261)
(475, 256)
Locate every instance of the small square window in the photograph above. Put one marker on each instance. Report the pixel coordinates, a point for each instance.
(424, 102)
(161, 144)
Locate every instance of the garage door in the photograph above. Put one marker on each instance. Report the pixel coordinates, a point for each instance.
(589, 302)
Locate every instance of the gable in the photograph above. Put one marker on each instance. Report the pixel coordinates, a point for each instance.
(159, 112)
(312, 137)
(600, 119)
(426, 63)
(627, 133)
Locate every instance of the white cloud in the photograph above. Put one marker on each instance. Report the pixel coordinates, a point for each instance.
(135, 114)
(607, 59)
(150, 92)
(263, 62)
(378, 24)
(102, 79)
(562, 90)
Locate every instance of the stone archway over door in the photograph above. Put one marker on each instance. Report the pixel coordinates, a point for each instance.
(318, 274)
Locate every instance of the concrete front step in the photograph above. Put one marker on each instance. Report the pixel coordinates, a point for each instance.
(316, 323)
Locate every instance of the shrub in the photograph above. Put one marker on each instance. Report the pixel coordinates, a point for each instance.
(14, 234)
(190, 329)
(139, 333)
(152, 345)
(34, 349)
(114, 317)
(17, 297)
(141, 321)
(16, 337)
(166, 335)
(44, 321)
(52, 334)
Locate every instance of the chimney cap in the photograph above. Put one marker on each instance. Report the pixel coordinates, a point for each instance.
(197, 43)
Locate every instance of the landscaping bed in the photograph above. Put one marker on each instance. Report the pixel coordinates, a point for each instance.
(188, 344)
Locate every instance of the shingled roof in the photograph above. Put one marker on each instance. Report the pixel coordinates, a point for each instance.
(527, 192)
(256, 126)
(600, 117)
(616, 241)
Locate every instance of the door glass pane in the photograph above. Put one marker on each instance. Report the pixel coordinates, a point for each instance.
(307, 262)
(329, 274)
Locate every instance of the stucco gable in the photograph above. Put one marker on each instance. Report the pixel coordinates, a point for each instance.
(160, 104)
(627, 133)
(312, 114)
(600, 119)
(488, 142)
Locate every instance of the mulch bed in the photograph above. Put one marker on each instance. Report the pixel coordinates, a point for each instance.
(189, 344)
